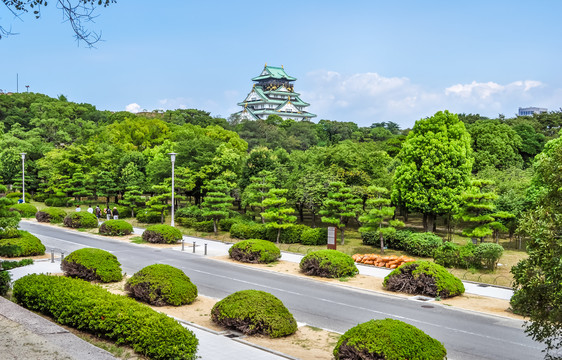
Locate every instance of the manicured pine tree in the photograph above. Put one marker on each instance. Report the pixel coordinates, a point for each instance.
(380, 212)
(216, 202)
(160, 201)
(340, 206)
(107, 186)
(257, 191)
(498, 225)
(78, 187)
(276, 213)
(132, 199)
(477, 210)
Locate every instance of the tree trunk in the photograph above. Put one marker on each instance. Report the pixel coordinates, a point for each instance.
(382, 243)
(434, 219)
(215, 226)
(342, 237)
(301, 212)
(430, 222)
(425, 222)
(162, 217)
(278, 235)
(313, 217)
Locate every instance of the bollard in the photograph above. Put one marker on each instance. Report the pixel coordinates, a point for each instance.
(205, 248)
(182, 245)
(52, 255)
(194, 247)
(61, 256)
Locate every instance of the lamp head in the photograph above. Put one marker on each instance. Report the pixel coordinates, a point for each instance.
(173, 156)
(22, 156)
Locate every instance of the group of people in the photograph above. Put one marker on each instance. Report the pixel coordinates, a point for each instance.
(98, 211)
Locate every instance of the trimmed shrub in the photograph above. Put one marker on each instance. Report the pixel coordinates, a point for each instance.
(8, 265)
(190, 212)
(148, 217)
(466, 255)
(328, 263)
(24, 244)
(254, 312)
(314, 236)
(453, 255)
(92, 264)
(186, 222)
(204, 226)
(396, 240)
(162, 234)
(424, 278)
(248, 231)
(40, 196)
(116, 228)
(423, 244)
(14, 195)
(81, 305)
(57, 201)
(290, 235)
(226, 224)
(254, 251)
(26, 210)
(51, 215)
(387, 339)
(488, 255)
(161, 285)
(82, 219)
(5, 279)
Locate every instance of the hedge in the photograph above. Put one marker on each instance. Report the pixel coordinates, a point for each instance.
(57, 201)
(328, 263)
(423, 244)
(226, 224)
(453, 255)
(424, 278)
(186, 222)
(148, 217)
(14, 195)
(22, 244)
(26, 210)
(5, 279)
(314, 236)
(204, 226)
(160, 285)
(82, 219)
(254, 312)
(254, 251)
(291, 235)
(116, 228)
(388, 339)
(248, 231)
(8, 265)
(162, 234)
(92, 264)
(396, 240)
(190, 212)
(51, 215)
(79, 304)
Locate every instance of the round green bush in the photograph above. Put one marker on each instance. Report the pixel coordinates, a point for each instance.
(90, 308)
(424, 278)
(51, 215)
(23, 244)
(148, 217)
(423, 244)
(186, 221)
(254, 251)
(248, 231)
(314, 236)
(14, 195)
(387, 339)
(162, 234)
(328, 263)
(26, 210)
(92, 264)
(82, 219)
(488, 255)
(193, 212)
(453, 255)
(204, 226)
(116, 228)
(226, 224)
(57, 201)
(160, 285)
(254, 312)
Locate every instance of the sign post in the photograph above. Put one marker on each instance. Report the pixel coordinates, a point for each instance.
(332, 237)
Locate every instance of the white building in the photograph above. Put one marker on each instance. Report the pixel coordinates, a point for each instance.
(530, 111)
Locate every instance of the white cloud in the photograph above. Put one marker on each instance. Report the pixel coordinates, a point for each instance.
(369, 97)
(134, 108)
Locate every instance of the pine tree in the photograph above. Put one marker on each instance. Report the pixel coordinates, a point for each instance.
(132, 199)
(78, 187)
(275, 211)
(340, 206)
(256, 192)
(107, 186)
(216, 202)
(477, 210)
(379, 213)
(160, 201)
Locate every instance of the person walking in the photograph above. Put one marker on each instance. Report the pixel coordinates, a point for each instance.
(90, 210)
(98, 212)
(115, 213)
(78, 208)
(108, 212)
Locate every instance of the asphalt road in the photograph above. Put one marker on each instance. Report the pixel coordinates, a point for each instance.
(466, 335)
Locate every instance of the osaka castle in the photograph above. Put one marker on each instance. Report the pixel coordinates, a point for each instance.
(273, 94)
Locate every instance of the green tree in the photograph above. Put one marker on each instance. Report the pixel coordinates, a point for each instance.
(340, 206)
(216, 202)
(435, 165)
(378, 213)
(8, 219)
(78, 186)
(132, 198)
(160, 201)
(256, 192)
(278, 216)
(538, 279)
(107, 186)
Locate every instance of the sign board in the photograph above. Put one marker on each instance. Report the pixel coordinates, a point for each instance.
(332, 238)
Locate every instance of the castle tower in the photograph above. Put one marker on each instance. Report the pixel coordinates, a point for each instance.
(273, 94)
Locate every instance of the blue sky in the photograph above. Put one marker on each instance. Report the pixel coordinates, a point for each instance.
(360, 61)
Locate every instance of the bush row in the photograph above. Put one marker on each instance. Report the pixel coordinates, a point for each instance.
(8, 265)
(416, 244)
(484, 255)
(79, 304)
(295, 234)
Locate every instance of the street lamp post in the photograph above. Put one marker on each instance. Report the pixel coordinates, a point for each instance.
(173, 157)
(23, 176)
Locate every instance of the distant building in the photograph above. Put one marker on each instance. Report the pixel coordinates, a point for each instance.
(530, 111)
(273, 94)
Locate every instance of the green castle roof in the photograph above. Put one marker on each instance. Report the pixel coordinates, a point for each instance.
(273, 72)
